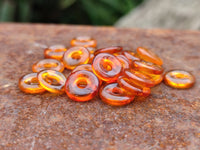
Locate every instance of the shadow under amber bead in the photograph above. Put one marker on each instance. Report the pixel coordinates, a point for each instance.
(53, 81)
(147, 55)
(131, 88)
(29, 84)
(138, 78)
(106, 67)
(179, 79)
(113, 95)
(147, 67)
(55, 52)
(84, 41)
(110, 50)
(45, 64)
(75, 56)
(82, 86)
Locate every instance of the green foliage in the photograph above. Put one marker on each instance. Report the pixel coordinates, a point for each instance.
(6, 10)
(95, 12)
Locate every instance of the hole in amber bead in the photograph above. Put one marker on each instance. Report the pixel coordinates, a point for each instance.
(178, 75)
(107, 67)
(82, 83)
(50, 65)
(116, 90)
(51, 80)
(32, 81)
(76, 55)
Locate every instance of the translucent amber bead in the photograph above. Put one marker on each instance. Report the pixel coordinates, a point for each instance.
(138, 78)
(131, 56)
(110, 50)
(55, 52)
(53, 81)
(149, 56)
(75, 56)
(112, 94)
(156, 78)
(106, 67)
(147, 67)
(45, 64)
(82, 86)
(131, 88)
(87, 67)
(179, 79)
(84, 41)
(124, 61)
(29, 84)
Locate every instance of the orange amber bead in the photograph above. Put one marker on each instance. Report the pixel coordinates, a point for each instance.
(75, 56)
(85, 41)
(112, 94)
(45, 64)
(82, 86)
(110, 50)
(149, 56)
(106, 67)
(179, 79)
(131, 88)
(55, 52)
(53, 81)
(156, 78)
(87, 67)
(29, 84)
(139, 78)
(131, 56)
(124, 61)
(147, 67)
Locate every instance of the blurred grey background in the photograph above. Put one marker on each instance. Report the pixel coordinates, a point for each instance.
(173, 14)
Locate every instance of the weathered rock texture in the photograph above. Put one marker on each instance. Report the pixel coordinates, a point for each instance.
(168, 119)
(174, 14)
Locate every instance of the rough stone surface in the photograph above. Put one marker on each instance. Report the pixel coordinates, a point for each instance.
(174, 14)
(168, 119)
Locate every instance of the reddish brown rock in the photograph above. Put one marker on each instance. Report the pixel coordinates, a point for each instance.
(168, 119)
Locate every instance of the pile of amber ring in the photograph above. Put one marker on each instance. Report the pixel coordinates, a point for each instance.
(117, 75)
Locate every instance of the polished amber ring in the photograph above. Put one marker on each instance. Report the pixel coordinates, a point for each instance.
(29, 84)
(48, 64)
(53, 81)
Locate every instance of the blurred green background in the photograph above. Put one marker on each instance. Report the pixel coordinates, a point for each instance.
(93, 12)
